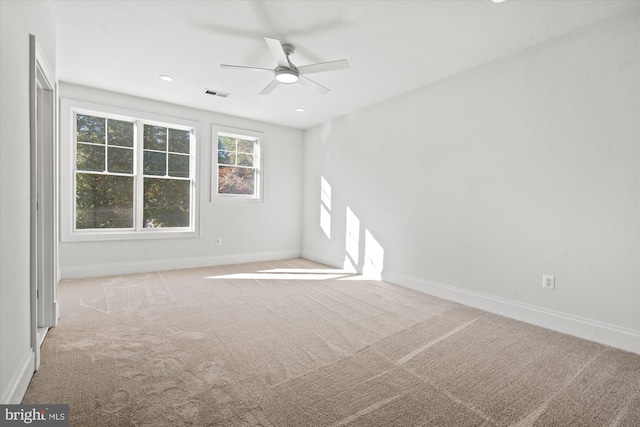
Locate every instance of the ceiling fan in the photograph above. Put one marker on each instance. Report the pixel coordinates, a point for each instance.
(288, 73)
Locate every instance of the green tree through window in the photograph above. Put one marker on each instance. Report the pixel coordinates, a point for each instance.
(167, 187)
(106, 181)
(104, 173)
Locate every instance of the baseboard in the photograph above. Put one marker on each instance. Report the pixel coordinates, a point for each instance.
(593, 330)
(18, 385)
(99, 270)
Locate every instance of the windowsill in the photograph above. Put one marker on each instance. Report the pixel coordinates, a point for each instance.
(110, 235)
(236, 199)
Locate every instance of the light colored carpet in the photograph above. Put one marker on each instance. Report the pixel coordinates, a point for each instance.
(293, 343)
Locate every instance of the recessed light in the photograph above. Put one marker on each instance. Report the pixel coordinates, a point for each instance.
(300, 110)
(497, 1)
(166, 78)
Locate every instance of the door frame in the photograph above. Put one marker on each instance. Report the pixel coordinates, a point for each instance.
(44, 195)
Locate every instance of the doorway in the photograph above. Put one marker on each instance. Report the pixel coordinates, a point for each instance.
(44, 229)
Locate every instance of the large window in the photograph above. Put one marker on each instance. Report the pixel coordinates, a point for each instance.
(131, 176)
(238, 172)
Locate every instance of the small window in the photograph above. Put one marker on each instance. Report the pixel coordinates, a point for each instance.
(238, 165)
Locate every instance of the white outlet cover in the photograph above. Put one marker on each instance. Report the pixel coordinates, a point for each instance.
(548, 281)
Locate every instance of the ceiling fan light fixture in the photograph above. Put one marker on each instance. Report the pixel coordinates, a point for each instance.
(286, 75)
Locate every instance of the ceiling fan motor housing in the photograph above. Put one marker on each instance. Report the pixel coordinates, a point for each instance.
(289, 49)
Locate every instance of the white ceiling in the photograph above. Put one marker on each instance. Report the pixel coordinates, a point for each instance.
(392, 47)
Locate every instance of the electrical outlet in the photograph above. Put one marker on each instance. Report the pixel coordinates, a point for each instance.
(548, 281)
(218, 241)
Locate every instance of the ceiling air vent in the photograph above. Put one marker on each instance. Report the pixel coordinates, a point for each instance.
(217, 93)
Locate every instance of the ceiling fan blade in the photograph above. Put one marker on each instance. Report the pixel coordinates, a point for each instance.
(277, 51)
(242, 67)
(313, 85)
(270, 87)
(324, 66)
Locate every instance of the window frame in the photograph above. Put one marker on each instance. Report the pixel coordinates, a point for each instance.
(255, 136)
(69, 110)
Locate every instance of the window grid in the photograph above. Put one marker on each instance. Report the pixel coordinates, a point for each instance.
(144, 197)
(238, 166)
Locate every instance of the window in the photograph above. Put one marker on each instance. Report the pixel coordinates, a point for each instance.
(104, 173)
(132, 176)
(167, 183)
(238, 172)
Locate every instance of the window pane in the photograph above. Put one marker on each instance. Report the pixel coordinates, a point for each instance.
(166, 202)
(155, 138)
(226, 143)
(120, 133)
(245, 159)
(155, 163)
(179, 141)
(120, 160)
(232, 180)
(104, 201)
(179, 165)
(90, 129)
(245, 146)
(226, 158)
(90, 157)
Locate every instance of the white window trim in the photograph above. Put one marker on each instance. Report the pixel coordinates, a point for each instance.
(67, 174)
(239, 133)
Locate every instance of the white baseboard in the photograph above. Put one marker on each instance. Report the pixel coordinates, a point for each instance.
(99, 270)
(18, 385)
(593, 330)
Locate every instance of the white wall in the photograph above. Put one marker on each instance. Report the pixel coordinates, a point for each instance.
(249, 231)
(17, 20)
(478, 184)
